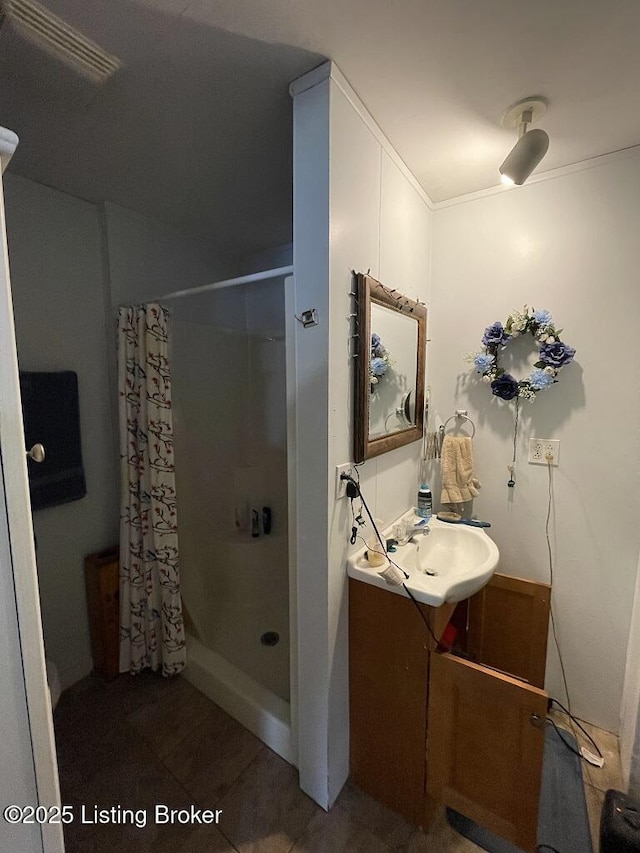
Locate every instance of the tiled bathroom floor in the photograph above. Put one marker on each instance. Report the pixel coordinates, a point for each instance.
(141, 741)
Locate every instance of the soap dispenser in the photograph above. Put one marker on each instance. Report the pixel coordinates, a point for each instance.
(425, 502)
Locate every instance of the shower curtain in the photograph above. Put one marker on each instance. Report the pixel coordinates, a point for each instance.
(151, 625)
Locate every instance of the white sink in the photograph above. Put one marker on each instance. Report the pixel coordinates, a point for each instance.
(449, 564)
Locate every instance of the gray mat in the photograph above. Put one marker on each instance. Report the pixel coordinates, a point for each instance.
(563, 821)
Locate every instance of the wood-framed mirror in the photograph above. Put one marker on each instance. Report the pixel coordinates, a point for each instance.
(390, 369)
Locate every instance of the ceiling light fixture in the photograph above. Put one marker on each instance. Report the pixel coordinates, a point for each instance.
(531, 146)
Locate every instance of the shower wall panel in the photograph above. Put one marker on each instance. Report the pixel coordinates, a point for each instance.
(228, 355)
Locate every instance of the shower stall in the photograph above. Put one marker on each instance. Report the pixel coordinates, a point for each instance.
(232, 440)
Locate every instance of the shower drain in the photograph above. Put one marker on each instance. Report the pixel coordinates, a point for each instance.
(270, 638)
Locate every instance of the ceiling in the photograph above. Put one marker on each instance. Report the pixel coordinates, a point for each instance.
(196, 128)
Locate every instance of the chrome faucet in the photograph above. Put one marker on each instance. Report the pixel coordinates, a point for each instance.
(418, 531)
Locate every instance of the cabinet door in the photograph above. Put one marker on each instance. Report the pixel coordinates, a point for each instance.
(388, 698)
(508, 627)
(485, 746)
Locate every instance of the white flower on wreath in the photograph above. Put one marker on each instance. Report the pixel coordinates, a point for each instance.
(518, 320)
(527, 393)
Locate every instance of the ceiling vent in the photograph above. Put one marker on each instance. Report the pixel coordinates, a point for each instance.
(58, 38)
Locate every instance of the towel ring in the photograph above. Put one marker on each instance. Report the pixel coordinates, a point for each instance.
(460, 415)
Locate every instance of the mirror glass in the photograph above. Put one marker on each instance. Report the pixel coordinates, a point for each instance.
(393, 371)
(389, 369)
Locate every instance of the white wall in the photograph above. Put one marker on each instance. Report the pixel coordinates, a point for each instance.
(630, 708)
(55, 254)
(355, 207)
(269, 259)
(569, 245)
(148, 258)
(144, 259)
(71, 265)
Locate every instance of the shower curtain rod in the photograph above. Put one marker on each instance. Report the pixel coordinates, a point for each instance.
(228, 282)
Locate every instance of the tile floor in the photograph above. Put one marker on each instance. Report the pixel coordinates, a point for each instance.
(146, 740)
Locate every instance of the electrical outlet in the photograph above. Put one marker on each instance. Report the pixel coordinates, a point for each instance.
(541, 448)
(341, 485)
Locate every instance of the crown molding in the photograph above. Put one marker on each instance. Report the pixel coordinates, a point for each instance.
(330, 71)
(562, 171)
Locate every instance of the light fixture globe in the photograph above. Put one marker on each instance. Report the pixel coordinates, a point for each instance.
(531, 146)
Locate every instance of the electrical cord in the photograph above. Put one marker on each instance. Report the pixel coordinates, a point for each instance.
(512, 468)
(567, 710)
(424, 618)
(553, 621)
(356, 520)
(385, 553)
(552, 722)
(551, 613)
(373, 524)
(578, 724)
(406, 589)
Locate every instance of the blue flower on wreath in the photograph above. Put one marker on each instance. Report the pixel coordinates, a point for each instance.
(378, 366)
(484, 362)
(557, 354)
(540, 379)
(505, 387)
(542, 317)
(377, 348)
(495, 335)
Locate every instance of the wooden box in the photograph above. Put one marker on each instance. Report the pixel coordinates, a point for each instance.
(102, 578)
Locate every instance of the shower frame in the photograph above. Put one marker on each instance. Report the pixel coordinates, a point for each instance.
(268, 723)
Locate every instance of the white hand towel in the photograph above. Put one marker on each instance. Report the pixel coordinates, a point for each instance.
(459, 484)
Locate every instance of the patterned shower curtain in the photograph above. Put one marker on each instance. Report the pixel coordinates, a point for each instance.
(151, 626)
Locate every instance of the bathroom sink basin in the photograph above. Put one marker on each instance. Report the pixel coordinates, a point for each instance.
(449, 564)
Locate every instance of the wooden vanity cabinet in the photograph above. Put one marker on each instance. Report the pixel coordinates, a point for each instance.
(462, 728)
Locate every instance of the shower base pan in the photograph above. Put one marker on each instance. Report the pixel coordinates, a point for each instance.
(266, 715)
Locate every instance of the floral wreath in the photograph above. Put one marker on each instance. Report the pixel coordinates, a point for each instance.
(379, 362)
(553, 354)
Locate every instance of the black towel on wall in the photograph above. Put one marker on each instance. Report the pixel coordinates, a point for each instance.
(51, 416)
